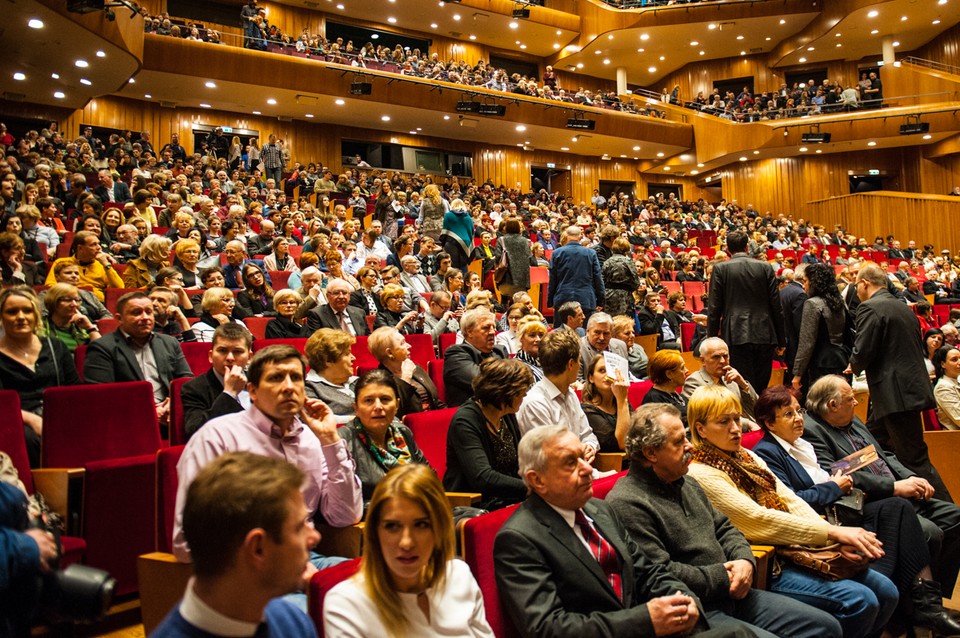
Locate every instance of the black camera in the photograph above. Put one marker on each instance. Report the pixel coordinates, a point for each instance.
(78, 593)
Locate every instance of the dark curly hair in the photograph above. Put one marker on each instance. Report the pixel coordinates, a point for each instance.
(823, 284)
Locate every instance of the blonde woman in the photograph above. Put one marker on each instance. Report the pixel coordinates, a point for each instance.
(432, 209)
(409, 583)
(154, 254)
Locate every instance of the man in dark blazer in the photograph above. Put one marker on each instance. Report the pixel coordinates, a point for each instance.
(792, 296)
(744, 310)
(835, 432)
(221, 389)
(134, 352)
(575, 275)
(336, 313)
(889, 350)
(553, 585)
(111, 191)
(461, 362)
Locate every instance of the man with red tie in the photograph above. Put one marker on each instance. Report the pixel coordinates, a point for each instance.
(565, 566)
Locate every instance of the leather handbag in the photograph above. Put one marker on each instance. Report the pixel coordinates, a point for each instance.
(827, 562)
(502, 266)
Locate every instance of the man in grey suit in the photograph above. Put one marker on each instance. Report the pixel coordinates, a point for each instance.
(745, 311)
(565, 565)
(461, 362)
(599, 339)
(336, 313)
(888, 349)
(716, 369)
(134, 352)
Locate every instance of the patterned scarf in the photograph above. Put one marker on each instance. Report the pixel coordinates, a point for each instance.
(395, 450)
(757, 483)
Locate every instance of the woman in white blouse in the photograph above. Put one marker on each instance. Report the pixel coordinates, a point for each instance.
(946, 364)
(409, 583)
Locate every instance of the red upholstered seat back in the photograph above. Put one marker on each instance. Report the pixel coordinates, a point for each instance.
(637, 391)
(360, 350)
(421, 349)
(430, 432)
(750, 439)
(602, 487)
(197, 354)
(447, 339)
(257, 326)
(299, 344)
(87, 423)
(178, 434)
(686, 336)
(435, 370)
(321, 583)
(278, 278)
(166, 500)
(478, 536)
(11, 436)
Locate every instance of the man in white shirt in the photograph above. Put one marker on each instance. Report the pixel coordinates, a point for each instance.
(552, 400)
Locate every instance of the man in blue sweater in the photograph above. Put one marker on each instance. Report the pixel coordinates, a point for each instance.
(249, 535)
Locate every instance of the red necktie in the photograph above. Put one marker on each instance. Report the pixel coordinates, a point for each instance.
(603, 551)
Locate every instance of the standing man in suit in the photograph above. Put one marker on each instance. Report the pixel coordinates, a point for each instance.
(462, 361)
(111, 191)
(565, 565)
(134, 352)
(336, 313)
(223, 388)
(745, 311)
(834, 430)
(575, 275)
(792, 296)
(888, 349)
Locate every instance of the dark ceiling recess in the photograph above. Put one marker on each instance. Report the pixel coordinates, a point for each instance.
(360, 36)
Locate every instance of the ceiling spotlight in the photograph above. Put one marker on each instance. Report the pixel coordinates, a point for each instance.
(927, 137)
(456, 16)
(743, 159)
(59, 95)
(34, 23)
(937, 21)
(339, 102)
(782, 21)
(636, 148)
(903, 18)
(82, 64)
(204, 105)
(433, 25)
(385, 118)
(896, 43)
(739, 37)
(564, 148)
(694, 43)
(606, 61)
(521, 128)
(446, 117)
(873, 14)
(652, 69)
(871, 143)
(101, 54)
(473, 37)
(19, 76)
(256, 112)
(308, 115)
(85, 81)
(660, 154)
(803, 149)
(875, 32)
(644, 36)
(147, 96)
(803, 60)
(514, 24)
(271, 101)
(392, 20)
(711, 26)
(210, 85)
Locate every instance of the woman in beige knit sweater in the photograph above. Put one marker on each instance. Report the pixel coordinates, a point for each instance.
(739, 484)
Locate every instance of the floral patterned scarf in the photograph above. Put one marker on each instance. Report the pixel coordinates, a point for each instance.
(393, 453)
(757, 483)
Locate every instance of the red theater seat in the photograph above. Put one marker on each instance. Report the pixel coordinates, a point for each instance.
(321, 583)
(430, 432)
(478, 536)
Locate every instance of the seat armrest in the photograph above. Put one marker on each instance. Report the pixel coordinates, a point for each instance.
(607, 461)
(764, 555)
(340, 541)
(463, 499)
(62, 489)
(162, 580)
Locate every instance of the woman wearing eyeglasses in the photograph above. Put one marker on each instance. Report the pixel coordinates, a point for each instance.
(64, 319)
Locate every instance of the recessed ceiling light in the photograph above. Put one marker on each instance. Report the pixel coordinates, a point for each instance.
(873, 14)
(564, 148)
(101, 54)
(896, 43)
(767, 38)
(644, 36)
(559, 32)
(473, 37)
(703, 53)
(606, 61)
(652, 69)
(81, 64)
(694, 43)
(782, 21)
(392, 20)
(839, 45)
(699, 165)
(86, 82)
(413, 132)
(147, 96)
(662, 58)
(521, 128)
(210, 85)
(837, 35)
(739, 37)
(130, 81)
(927, 136)
(308, 115)
(623, 156)
(59, 95)
(937, 21)
(660, 154)
(456, 16)
(903, 18)
(204, 105)
(871, 143)
(19, 76)
(756, 152)
(597, 52)
(579, 65)
(810, 49)
(666, 168)
(575, 138)
(523, 46)
(803, 149)
(271, 101)
(743, 53)
(339, 102)
(711, 26)
(610, 37)
(419, 129)
(819, 150)
(942, 2)
(256, 112)
(433, 25)
(514, 24)
(875, 32)
(556, 45)
(694, 172)
(743, 159)
(636, 148)
(385, 118)
(340, 6)
(803, 59)
(34, 23)
(446, 117)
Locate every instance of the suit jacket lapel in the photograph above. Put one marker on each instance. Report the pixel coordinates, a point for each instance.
(131, 358)
(608, 529)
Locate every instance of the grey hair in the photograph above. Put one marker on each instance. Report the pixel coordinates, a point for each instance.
(530, 454)
(472, 317)
(708, 343)
(825, 390)
(599, 317)
(646, 430)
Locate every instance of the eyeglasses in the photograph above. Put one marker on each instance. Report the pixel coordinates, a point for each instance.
(790, 414)
(67, 300)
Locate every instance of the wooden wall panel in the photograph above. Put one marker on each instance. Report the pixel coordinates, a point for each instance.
(931, 219)
(944, 49)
